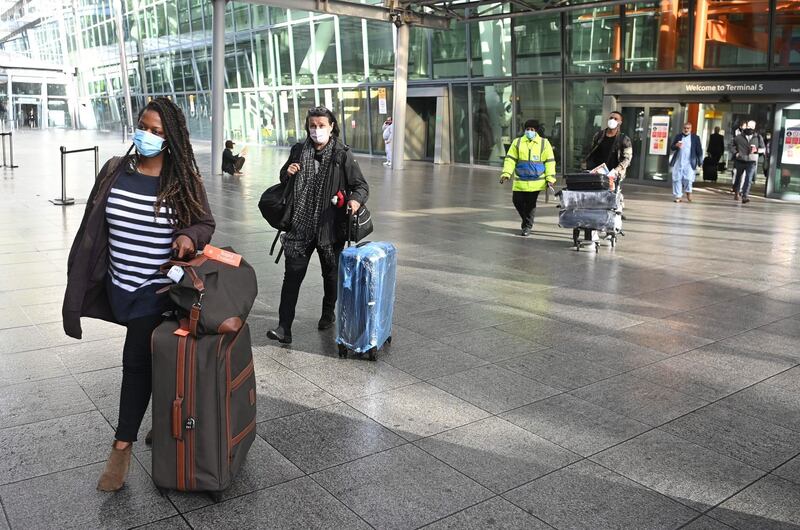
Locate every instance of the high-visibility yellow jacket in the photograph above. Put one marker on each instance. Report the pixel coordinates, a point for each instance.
(531, 163)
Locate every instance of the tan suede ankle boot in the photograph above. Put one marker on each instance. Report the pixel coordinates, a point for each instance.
(116, 471)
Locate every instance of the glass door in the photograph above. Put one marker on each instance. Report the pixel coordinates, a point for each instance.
(662, 125)
(784, 156)
(650, 127)
(633, 125)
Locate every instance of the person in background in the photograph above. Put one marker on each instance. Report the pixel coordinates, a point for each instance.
(531, 162)
(144, 208)
(323, 169)
(767, 153)
(388, 136)
(687, 155)
(748, 146)
(232, 164)
(716, 146)
(612, 147)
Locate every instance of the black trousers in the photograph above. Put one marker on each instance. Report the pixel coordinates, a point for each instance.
(525, 203)
(294, 273)
(137, 362)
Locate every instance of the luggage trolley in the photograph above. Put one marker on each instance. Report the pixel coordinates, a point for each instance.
(590, 202)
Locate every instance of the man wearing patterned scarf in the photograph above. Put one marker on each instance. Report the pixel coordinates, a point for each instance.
(326, 176)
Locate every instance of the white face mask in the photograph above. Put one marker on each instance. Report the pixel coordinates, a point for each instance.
(321, 136)
(612, 124)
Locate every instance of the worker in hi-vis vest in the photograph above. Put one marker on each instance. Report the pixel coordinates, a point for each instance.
(531, 162)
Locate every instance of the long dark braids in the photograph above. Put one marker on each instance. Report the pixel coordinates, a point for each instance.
(180, 184)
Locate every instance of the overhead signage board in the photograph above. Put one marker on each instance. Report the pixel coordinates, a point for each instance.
(789, 89)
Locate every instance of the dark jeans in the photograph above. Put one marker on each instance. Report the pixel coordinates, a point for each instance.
(525, 203)
(295, 272)
(137, 365)
(745, 173)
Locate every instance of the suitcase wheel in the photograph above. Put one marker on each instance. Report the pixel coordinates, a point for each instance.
(216, 496)
(342, 351)
(389, 340)
(371, 354)
(162, 491)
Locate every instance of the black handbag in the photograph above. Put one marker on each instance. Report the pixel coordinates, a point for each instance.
(359, 225)
(276, 204)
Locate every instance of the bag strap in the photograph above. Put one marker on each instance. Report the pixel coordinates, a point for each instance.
(349, 225)
(272, 248)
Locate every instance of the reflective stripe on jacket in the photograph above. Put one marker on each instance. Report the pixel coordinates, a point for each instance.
(531, 163)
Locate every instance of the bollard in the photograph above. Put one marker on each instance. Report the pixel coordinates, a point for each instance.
(10, 149)
(64, 200)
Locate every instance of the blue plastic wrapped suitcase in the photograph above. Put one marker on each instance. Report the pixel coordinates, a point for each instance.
(367, 275)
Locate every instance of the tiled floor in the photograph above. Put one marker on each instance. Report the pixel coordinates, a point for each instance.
(528, 386)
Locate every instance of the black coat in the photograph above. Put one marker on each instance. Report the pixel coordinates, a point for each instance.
(695, 155)
(345, 175)
(716, 146)
(229, 161)
(87, 265)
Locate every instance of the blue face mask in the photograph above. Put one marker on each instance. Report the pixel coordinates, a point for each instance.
(530, 134)
(147, 143)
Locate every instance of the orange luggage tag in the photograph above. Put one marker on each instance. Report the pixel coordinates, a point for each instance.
(223, 256)
(181, 332)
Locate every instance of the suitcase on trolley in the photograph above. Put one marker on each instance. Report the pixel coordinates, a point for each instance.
(204, 407)
(600, 200)
(367, 275)
(586, 181)
(601, 220)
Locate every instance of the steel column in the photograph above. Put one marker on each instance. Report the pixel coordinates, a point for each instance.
(400, 96)
(217, 86)
(123, 67)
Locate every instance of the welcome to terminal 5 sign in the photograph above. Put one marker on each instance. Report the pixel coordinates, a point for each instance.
(788, 89)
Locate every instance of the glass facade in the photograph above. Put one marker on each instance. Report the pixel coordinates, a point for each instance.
(786, 35)
(731, 36)
(497, 72)
(656, 36)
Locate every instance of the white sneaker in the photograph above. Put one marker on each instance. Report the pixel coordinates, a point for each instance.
(386, 163)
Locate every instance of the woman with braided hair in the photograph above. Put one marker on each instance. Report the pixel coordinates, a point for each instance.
(327, 181)
(144, 208)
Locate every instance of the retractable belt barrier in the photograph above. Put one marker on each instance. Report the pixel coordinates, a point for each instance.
(10, 149)
(64, 200)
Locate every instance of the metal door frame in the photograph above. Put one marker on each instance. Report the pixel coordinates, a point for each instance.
(647, 105)
(777, 137)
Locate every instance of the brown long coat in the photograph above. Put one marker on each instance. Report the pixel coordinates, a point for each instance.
(87, 264)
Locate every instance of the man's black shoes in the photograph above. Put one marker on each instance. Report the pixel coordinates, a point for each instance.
(326, 321)
(280, 335)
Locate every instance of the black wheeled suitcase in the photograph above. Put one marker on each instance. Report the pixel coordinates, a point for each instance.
(586, 181)
(709, 170)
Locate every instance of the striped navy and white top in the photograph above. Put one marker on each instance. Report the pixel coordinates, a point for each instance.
(139, 243)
